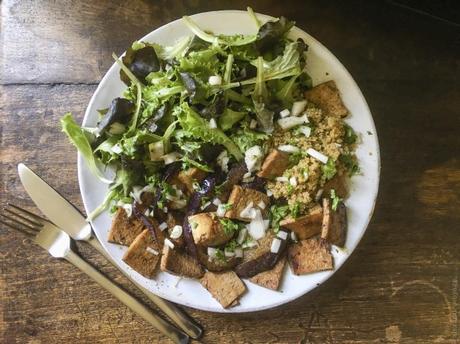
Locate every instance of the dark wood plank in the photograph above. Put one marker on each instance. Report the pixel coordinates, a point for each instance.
(72, 42)
(402, 282)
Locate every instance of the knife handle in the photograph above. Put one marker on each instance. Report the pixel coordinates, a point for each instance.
(136, 306)
(178, 316)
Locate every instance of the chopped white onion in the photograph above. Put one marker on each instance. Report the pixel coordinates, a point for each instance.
(305, 174)
(247, 175)
(176, 232)
(169, 243)
(317, 155)
(269, 193)
(338, 144)
(276, 244)
(292, 121)
(253, 124)
(215, 80)
(250, 244)
(241, 235)
(137, 193)
(152, 251)
(171, 157)
(128, 208)
(266, 224)
(146, 212)
(293, 181)
(212, 252)
(261, 205)
(282, 235)
(282, 179)
(293, 236)
(248, 212)
(253, 158)
(116, 149)
(216, 202)
(256, 228)
(163, 226)
(285, 113)
(212, 123)
(220, 212)
(165, 209)
(288, 149)
(117, 128)
(156, 151)
(222, 160)
(229, 254)
(298, 107)
(305, 130)
(238, 252)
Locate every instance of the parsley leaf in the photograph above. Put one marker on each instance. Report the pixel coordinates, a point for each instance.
(229, 226)
(329, 169)
(335, 200)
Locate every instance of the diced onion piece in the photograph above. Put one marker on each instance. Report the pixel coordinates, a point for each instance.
(285, 113)
(253, 124)
(212, 252)
(249, 244)
(222, 160)
(156, 151)
(247, 175)
(256, 228)
(276, 244)
(305, 174)
(288, 149)
(137, 193)
(253, 158)
(241, 235)
(179, 203)
(261, 205)
(229, 254)
(293, 181)
(248, 212)
(169, 243)
(163, 226)
(212, 123)
(165, 209)
(176, 232)
(282, 235)
(220, 212)
(298, 107)
(128, 208)
(266, 224)
(291, 122)
(146, 212)
(238, 252)
(216, 202)
(171, 157)
(293, 236)
(317, 155)
(305, 130)
(269, 193)
(282, 179)
(215, 80)
(152, 251)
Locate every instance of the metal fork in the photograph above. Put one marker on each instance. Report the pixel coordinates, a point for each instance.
(59, 245)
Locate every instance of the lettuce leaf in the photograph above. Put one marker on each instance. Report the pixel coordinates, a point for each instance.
(199, 128)
(245, 138)
(229, 118)
(78, 138)
(260, 98)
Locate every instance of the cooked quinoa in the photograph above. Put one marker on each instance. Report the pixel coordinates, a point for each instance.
(327, 138)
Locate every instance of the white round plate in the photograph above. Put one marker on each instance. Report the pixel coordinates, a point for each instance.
(322, 65)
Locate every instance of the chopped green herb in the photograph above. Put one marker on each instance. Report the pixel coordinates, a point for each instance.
(335, 200)
(350, 163)
(229, 226)
(295, 210)
(278, 213)
(329, 169)
(220, 255)
(350, 135)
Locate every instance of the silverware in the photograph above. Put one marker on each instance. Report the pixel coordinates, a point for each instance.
(59, 245)
(70, 220)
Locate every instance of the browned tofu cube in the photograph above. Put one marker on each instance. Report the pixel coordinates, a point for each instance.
(225, 287)
(270, 279)
(327, 97)
(124, 229)
(143, 254)
(305, 226)
(207, 230)
(274, 164)
(310, 255)
(189, 176)
(339, 184)
(240, 198)
(179, 263)
(335, 223)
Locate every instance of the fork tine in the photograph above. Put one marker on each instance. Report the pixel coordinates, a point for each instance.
(27, 220)
(26, 225)
(22, 230)
(35, 216)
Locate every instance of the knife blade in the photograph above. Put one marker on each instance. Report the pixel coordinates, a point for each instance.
(53, 205)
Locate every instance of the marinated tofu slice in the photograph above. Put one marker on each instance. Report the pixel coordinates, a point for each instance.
(271, 279)
(305, 226)
(339, 184)
(179, 263)
(143, 254)
(124, 229)
(241, 199)
(225, 287)
(274, 164)
(335, 223)
(207, 230)
(327, 97)
(310, 255)
(190, 176)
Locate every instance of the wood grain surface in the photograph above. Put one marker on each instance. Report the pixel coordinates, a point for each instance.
(402, 282)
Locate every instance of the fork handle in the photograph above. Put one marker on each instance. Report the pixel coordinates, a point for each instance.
(136, 306)
(187, 324)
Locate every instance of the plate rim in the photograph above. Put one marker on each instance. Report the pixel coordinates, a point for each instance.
(324, 278)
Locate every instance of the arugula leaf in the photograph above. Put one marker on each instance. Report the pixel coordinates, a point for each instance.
(167, 136)
(287, 92)
(78, 138)
(199, 128)
(229, 118)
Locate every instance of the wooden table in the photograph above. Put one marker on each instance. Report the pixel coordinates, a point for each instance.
(402, 282)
